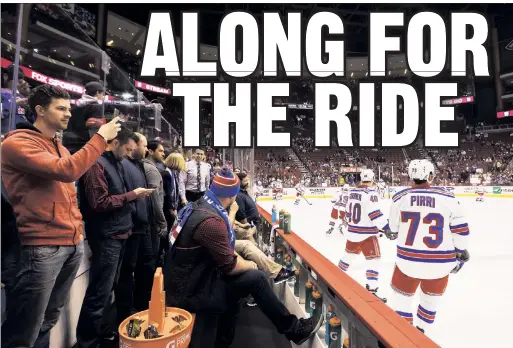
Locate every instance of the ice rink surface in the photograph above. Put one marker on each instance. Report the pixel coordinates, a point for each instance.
(477, 308)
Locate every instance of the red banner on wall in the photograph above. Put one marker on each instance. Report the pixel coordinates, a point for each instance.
(37, 76)
(152, 88)
(502, 114)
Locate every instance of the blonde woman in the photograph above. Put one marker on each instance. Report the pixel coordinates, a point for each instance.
(175, 163)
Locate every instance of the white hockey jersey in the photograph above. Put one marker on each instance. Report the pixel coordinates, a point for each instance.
(480, 189)
(431, 229)
(339, 199)
(258, 190)
(300, 188)
(276, 185)
(363, 214)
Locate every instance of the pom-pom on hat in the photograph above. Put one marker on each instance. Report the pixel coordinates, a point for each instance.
(225, 184)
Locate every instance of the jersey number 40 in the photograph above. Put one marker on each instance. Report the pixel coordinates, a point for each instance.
(436, 230)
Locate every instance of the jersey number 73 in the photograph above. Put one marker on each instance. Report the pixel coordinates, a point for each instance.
(436, 230)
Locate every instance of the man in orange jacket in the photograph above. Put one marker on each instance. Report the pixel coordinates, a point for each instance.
(39, 174)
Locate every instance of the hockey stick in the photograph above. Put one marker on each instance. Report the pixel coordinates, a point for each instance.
(309, 203)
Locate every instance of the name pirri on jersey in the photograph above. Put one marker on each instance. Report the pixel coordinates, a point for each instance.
(431, 230)
(363, 214)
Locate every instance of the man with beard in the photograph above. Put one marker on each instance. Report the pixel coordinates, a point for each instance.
(204, 275)
(105, 202)
(133, 291)
(245, 225)
(152, 169)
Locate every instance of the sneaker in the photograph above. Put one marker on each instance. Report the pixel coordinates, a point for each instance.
(305, 329)
(110, 336)
(250, 301)
(283, 276)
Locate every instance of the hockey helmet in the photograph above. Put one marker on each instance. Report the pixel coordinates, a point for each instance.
(421, 169)
(367, 175)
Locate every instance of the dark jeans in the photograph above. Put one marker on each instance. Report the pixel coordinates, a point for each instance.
(40, 290)
(136, 276)
(252, 282)
(103, 275)
(192, 196)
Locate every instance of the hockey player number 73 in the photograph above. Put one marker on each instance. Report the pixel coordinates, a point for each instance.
(436, 229)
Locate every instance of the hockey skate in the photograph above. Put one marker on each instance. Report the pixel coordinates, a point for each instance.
(421, 330)
(341, 228)
(375, 293)
(330, 230)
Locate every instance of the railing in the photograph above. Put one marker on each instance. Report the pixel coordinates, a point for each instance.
(495, 128)
(366, 320)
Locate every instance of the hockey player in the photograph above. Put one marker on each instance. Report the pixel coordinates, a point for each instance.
(300, 191)
(338, 211)
(432, 238)
(480, 191)
(381, 186)
(259, 190)
(279, 189)
(365, 220)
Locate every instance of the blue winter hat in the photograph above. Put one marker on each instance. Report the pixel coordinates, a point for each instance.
(225, 184)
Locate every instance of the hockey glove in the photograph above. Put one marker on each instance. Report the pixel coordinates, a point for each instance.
(390, 235)
(462, 258)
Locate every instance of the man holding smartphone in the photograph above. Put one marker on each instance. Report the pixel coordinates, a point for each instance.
(105, 202)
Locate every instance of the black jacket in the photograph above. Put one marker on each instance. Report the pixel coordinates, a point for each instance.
(134, 178)
(114, 222)
(191, 279)
(77, 134)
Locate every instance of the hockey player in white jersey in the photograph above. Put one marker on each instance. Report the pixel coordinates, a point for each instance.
(381, 186)
(258, 190)
(432, 238)
(338, 211)
(480, 191)
(300, 191)
(365, 221)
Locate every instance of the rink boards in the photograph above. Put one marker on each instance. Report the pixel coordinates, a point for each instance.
(459, 191)
(480, 290)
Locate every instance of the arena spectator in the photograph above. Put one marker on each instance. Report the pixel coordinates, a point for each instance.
(152, 163)
(22, 112)
(195, 181)
(156, 154)
(248, 212)
(133, 290)
(105, 204)
(89, 106)
(175, 164)
(36, 166)
(203, 275)
(10, 243)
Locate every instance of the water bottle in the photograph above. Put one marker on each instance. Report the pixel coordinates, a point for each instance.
(335, 333)
(296, 283)
(289, 267)
(274, 214)
(330, 313)
(286, 223)
(280, 217)
(316, 306)
(279, 256)
(308, 296)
